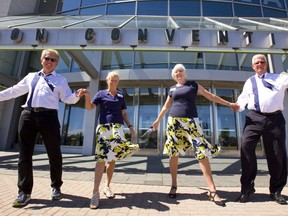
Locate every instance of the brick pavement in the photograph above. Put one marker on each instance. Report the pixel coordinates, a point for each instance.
(140, 184)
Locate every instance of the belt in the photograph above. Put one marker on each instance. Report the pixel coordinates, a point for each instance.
(268, 114)
(38, 109)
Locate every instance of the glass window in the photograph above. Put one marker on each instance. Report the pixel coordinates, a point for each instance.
(152, 8)
(121, 9)
(92, 2)
(9, 62)
(64, 63)
(151, 60)
(66, 5)
(221, 61)
(71, 119)
(204, 114)
(217, 9)
(189, 59)
(284, 59)
(149, 100)
(93, 10)
(242, 10)
(248, 1)
(47, 7)
(276, 4)
(226, 124)
(267, 12)
(129, 94)
(117, 60)
(185, 8)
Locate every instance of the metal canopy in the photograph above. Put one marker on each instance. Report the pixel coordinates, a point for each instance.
(131, 22)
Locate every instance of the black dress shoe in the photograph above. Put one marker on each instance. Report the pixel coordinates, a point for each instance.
(245, 196)
(278, 198)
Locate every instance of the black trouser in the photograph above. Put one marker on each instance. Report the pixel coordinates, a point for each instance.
(47, 124)
(272, 130)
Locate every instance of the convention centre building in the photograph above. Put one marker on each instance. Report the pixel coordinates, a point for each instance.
(142, 40)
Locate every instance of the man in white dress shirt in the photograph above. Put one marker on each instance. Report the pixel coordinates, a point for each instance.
(263, 94)
(45, 88)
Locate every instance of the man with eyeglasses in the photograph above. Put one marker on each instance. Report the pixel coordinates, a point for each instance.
(45, 88)
(263, 94)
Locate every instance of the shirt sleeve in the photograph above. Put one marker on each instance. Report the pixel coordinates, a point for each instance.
(66, 94)
(284, 78)
(21, 88)
(243, 98)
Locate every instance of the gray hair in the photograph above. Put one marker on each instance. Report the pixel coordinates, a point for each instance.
(258, 56)
(178, 67)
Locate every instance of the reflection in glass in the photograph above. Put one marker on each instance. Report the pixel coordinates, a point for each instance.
(242, 10)
(151, 60)
(121, 9)
(221, 61)
(204, 107)
(152, 8)
(117, 60)
(185, 8)
(189, 59)
(226, 124)
(149, 98)
(129, 94)
(217, 9)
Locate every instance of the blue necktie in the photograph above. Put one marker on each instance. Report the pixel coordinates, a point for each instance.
(33, 84)
(266, 84)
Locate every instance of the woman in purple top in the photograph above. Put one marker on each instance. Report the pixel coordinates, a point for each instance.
(111, 144)
(184, 130)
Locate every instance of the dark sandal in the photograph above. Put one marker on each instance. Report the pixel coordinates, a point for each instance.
(172, 193)
(211, 196)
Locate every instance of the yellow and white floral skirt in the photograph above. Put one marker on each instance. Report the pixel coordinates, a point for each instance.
(185, 133)
(111, 143)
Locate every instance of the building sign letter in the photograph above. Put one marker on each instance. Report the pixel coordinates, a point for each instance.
(222, 37)
(271, 39)
(115, 35)
(195, 37)
(169, 36)
(142, 36)
(247, 36)
(90, 35)
(42, 35)
(16, 35)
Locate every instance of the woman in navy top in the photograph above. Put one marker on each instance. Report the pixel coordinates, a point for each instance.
(111, 144)
(184, 130)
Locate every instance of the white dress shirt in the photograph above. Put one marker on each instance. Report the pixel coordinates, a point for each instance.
(269, 100)
(43, 95)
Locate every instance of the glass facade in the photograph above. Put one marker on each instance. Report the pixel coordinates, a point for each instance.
(221, 8)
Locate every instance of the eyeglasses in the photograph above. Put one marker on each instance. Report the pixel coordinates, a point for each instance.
(50, 59)
(260, 62)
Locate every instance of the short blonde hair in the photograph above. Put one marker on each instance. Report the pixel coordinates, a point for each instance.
(176, 68)
(50, 51)
(112, 74)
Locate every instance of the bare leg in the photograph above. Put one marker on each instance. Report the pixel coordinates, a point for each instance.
(206, 169)
(99, 169)
(173, 164)
(173, 169)
(110, 167)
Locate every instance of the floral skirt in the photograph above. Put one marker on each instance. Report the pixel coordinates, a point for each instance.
(185, 133)
(111, 144)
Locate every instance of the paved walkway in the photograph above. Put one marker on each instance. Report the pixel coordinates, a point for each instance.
(140, 184)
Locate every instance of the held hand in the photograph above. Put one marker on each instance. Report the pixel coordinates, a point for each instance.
(235, 107)
(81, 92)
